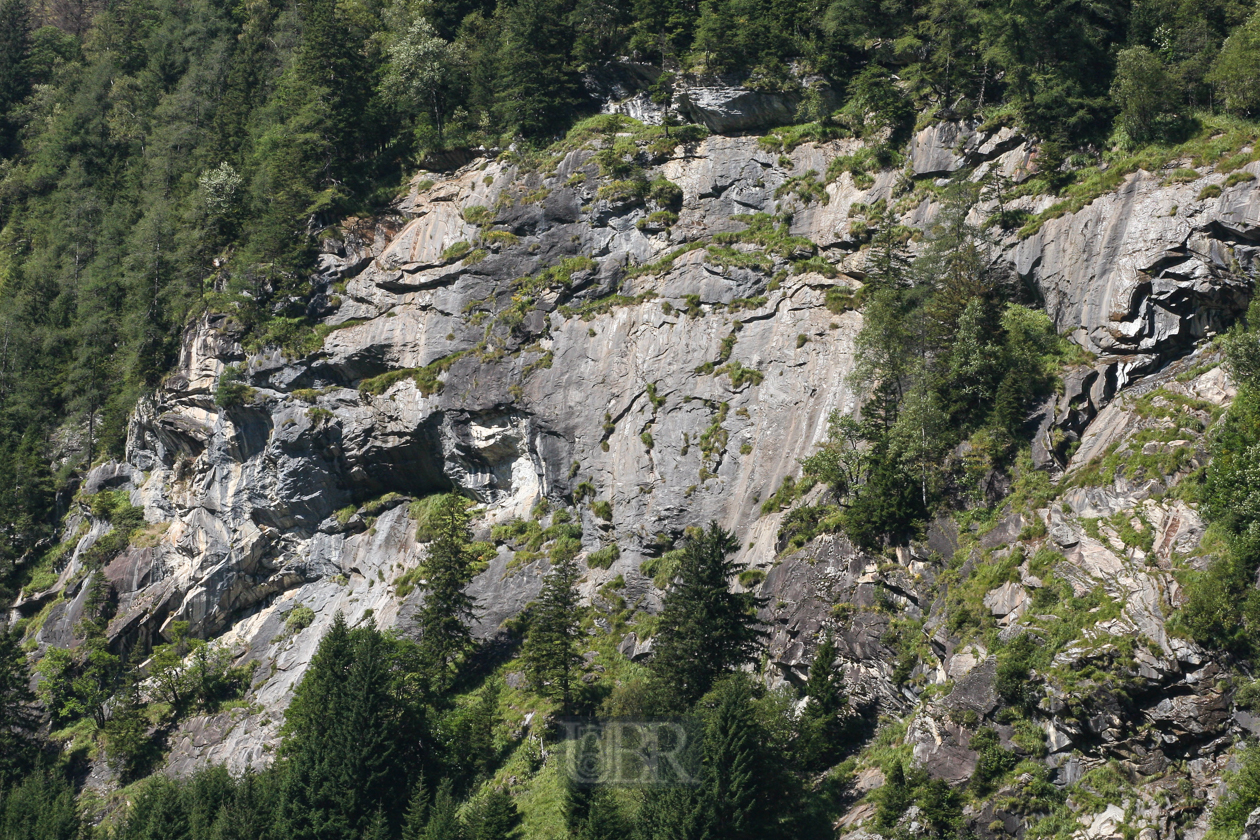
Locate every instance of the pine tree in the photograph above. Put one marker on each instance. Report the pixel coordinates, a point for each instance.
(15, 80)
(378, 828)
(42, 806)
(580, 778)
(894, 797)
(250, 813)
(470, 748)
(887, 264)
(443, 816)
(157, 813)
(417, 816)
(550, 652)
(18, 718)
(127, 733)
(495, 817)
(740, 777)
(346, 733)
(445, 617)
(537, 89)
(822, 727)
(705, 629)
(603, 818)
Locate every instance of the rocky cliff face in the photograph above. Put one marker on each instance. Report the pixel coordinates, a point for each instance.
(555, 335)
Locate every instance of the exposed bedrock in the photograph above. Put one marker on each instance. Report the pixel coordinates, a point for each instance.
(677, 396)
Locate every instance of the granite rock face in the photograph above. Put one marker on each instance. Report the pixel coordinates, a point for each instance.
(533, 335)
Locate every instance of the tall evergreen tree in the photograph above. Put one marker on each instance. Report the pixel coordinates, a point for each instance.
(444, 821)
(537, 90)
(739, 772)
(494, 817)
(822, 726)
(41, 806)
(417, 816)
(551, 652)
(705, 629)
(19, 720)
(15, 80)
(445, 617)
(378, 828)
(346, 735)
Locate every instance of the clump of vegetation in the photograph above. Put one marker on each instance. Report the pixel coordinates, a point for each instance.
(299, 618)
(457, 251)
(232, 390)
(604, 557)
(476, 214)
(426, 379)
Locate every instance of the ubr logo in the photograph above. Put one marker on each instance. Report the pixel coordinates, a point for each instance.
(631, 752)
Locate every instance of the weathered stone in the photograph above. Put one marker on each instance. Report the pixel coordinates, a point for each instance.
(252, 496)
(1009, 598)
(1251, 831)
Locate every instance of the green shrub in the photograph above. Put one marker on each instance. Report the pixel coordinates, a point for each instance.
(602, 509)
(660, 220)
(992, 760)
(604, 557)
(1238, 178)
(625, 192)
(426, 378)
(476, 214)
(457, 251)
(299, 618)
(1248, 696)
(1210, 191)
(231, 391)
(1242, 796)
(500, 237)
(666, 194)
(841, 299)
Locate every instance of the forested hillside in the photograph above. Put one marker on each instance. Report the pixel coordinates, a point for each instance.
(376, 393)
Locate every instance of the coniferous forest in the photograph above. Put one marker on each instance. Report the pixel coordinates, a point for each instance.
(162, 159)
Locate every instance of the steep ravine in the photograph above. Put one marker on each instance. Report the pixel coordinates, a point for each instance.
(685, 393)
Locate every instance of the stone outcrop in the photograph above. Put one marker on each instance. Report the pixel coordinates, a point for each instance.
(673, 396)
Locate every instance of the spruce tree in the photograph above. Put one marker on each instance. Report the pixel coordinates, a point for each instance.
(378, 828)
(346, 735)
(551, 648)
(250, 812)
(495, 817)
(603, 818)
(15, 80)
(887, 265)
(444, 821)
(127, 733)
(894, 797)
(580, 793)
(822, 727)
(417, 816)
(705, 629)
(19, 720)
(740, 775)
(42, 806)
(536, 87)
(445, 617)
